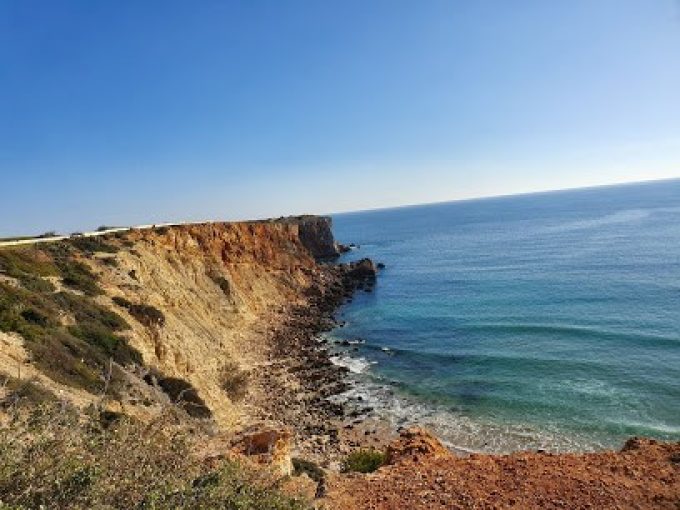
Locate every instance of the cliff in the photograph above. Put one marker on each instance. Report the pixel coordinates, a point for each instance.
(317, 236)
(191, 312)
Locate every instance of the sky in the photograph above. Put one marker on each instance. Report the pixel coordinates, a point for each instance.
(130, 112)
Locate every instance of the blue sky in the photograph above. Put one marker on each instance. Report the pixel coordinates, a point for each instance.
(133, 112)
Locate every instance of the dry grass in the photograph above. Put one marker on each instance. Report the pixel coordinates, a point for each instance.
(53, 457)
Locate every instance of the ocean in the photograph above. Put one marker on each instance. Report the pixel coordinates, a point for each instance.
(542, 321)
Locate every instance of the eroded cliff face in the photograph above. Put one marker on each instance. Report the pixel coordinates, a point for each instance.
(203, 303)
(316, 235)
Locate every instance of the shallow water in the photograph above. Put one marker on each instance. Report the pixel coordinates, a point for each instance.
(539, 321)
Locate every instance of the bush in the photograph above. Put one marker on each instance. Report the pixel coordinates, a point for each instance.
(234, 381)
(85, 309)
(76, 355)
(78, 276)
(183, 394)
(93, 244)
(53, 458)
(98, 336)
(21, 392)
(35, 283)
(364, 461)
(74, 273)
(309, 468)
(145, 314)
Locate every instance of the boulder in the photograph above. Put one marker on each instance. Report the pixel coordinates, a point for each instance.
(363, 270)
(413, 444)
(268, 446)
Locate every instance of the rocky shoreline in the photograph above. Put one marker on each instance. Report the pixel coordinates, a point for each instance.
(297, 385)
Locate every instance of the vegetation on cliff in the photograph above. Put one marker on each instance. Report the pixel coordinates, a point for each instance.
(70, 336)
(54, 457)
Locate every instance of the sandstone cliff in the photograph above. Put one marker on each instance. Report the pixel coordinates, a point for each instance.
(199, 309)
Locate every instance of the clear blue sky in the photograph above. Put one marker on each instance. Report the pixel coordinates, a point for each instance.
(128, 112)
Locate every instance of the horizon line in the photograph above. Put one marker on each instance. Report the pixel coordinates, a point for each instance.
(504, 195)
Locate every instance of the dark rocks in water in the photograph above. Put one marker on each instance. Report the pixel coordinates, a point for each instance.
(380, 265)
(363, 268)
(342, 248)
(361, 274)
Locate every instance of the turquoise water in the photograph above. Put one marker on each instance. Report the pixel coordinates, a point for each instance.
(538, 321)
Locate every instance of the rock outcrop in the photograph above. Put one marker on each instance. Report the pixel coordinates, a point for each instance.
(270, 447)
(316, 235)
(416, 444)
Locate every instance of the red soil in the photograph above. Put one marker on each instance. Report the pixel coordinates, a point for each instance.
(422, 474)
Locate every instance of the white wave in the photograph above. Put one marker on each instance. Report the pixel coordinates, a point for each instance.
(626, 216)
(355, 365)
(461, 433)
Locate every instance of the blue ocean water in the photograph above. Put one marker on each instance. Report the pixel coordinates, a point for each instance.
(547, 320)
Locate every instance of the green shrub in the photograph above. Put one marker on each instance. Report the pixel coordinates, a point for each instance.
(309, 468)
(35, 283)
(74, 273)
(364, 461)
(30, 260)
(93, 244)
(84, 309)
(110, 261)
(76, 355)
(104, 340)
(78, 276)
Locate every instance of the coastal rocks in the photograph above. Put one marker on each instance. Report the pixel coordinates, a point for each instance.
(636, 443)
(342, 248)
(363, 269)
(360, 275)
(414, 444)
